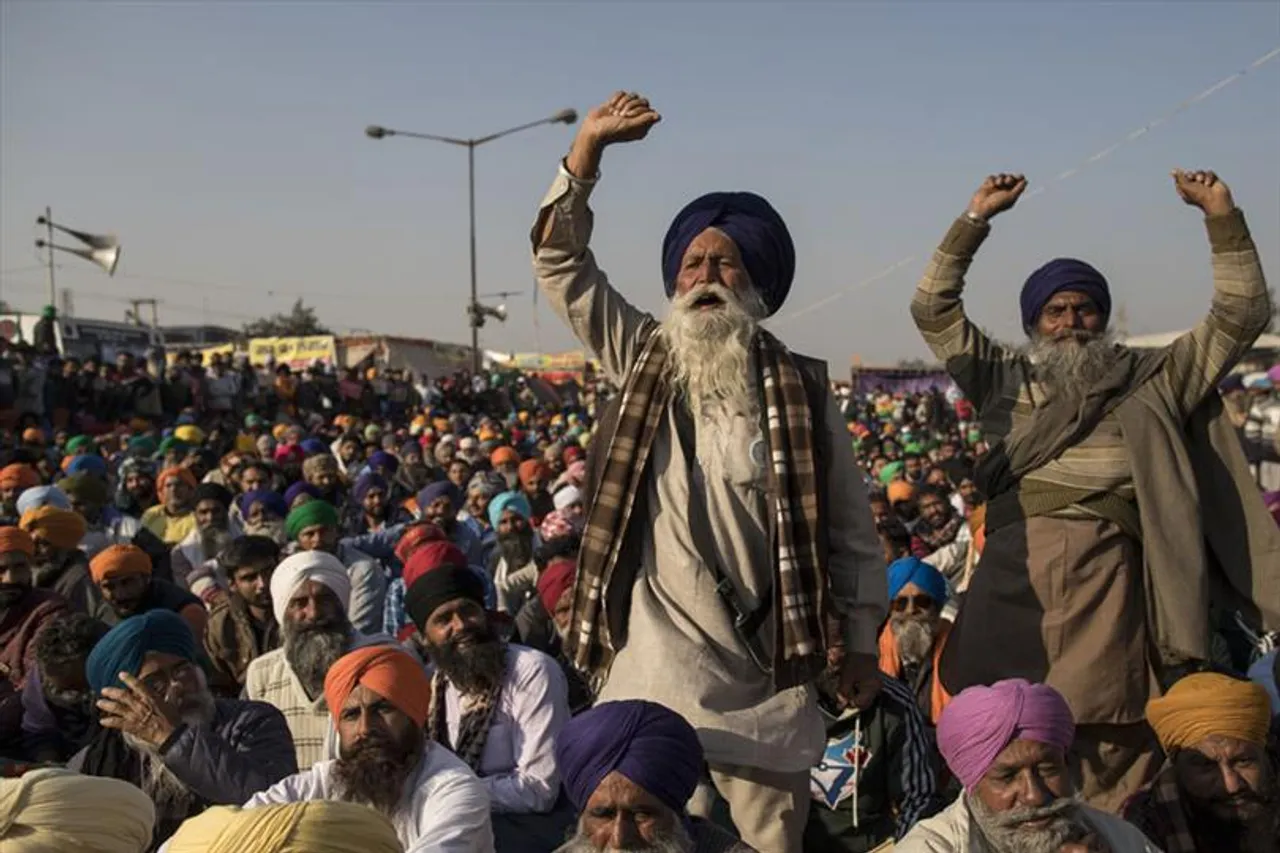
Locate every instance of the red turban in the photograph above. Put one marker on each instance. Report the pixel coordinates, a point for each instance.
(389, 671)
(61, 528)
(16, 539)
(183, 474)
(18, 476)
(415, 536)
(119, 561)
(431, 555)
(557, 577)
(531, 468)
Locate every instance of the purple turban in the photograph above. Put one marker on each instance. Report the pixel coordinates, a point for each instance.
(366, 483)
(441, 489)
(648, 743)
(270, 501)
(314, 447)
(299, 489)
(981, 721)
(1056, 276)
(753, 225)
(383, 459)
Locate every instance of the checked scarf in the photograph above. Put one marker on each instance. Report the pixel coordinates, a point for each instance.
(473, 728)
(799, 578)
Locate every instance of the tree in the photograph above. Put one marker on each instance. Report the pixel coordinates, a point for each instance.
(299, 322)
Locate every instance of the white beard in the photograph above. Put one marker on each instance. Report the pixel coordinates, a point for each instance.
(710, 349)
(1075, 364)
(676, 840)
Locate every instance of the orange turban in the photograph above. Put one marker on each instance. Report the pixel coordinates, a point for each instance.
(183, 474)
(119, 561)
(33, 435)
(18, 476)
(16, 539)
(899, 491)
(389, 671)
(504, 456)
(531, 468)
(1207, 704)
(61, 528)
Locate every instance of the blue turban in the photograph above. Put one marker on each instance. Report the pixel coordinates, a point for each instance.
(757, 229)
(88, 463)
(441, 489)
(366, 483)
(38, 496)
(313, 447)
(649, 744)
(271, 501)
(125, 645)
(515, 501)
(383, 459)
(299, 489)
(1056, 276)
(915, 570)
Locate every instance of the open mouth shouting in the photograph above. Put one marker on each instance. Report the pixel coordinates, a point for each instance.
(708, 301)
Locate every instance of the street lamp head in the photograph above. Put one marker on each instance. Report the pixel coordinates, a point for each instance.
(568, 116)
(375, 132)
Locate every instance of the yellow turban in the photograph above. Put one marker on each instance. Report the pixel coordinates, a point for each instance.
(315, 826)
(56, 811)
(61, 528)
(1207, 704)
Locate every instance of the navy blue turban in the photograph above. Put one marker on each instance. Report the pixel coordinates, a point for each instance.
(125, 645)
(1056, 276)
(366, 483)
(648, 743)
(440, 489)
(757, 229)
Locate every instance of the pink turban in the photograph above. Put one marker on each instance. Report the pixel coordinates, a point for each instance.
(981, 721)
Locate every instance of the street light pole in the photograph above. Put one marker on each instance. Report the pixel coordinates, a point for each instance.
(475, 311)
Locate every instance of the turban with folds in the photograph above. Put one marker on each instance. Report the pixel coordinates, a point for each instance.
(555, 579)
(914, 570)
(183, 474)
(438, 586)
(189, 434)
(33, 435)
(319, 566)
(367, 483)
(431, 555)
(119, 561)
(383, 459)
(441, 489)
(125, 645)
(530, 469)
(567, 497)
(514, 501)
(16, 539)
(981, 721)
(899, 491)
(555, 525)
(61, 528)
(649, 744)
(270, 501)
(299, 489)
(1056, 276)
(317, 465)
(18, 476)
(389, 671)
(78, 443)
(504, 456)
(415, 536)
(311, 826)
(753, 225)
(88, 463)
(1206, 704)
(39, 496)
(313, 446)
(54, 810)
(315, 513)
(86, 488)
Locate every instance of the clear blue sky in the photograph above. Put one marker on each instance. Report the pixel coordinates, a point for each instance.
(223, 142)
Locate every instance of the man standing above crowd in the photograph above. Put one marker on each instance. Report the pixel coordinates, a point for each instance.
(727, 508)
(1109, 468)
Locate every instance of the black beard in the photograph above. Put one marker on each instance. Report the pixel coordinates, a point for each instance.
(46, 574)
(476, 668)
(312, 649)
(375, 770)
(213, 540)
(12, 593)
(516, 548)
(1257, 835)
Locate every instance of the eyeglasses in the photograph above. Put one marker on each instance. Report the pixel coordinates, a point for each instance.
(161, 681)
(921, 602)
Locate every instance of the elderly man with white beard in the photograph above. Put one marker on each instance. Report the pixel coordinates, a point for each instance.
(1121, 512)
(726, 512)
(163, 731)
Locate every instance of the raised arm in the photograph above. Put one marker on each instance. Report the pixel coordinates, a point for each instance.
(578, 290)
(1241, 308)
(973, 360)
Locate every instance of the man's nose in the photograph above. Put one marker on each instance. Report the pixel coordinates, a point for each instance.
(1232, 782)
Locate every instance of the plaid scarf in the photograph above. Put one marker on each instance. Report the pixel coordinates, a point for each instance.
(473, 728)
(942, 535)
(799, 579)
(1158, 813)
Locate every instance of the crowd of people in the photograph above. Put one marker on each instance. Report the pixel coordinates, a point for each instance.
(708, 601)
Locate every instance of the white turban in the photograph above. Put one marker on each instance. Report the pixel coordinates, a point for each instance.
(55, 811)
(319, 566)
(567, 496)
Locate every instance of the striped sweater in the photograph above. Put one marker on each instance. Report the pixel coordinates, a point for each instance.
(996, 377)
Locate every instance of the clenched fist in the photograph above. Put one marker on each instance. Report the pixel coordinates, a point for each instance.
(997, 194)
(1203, 190)
(626, 117)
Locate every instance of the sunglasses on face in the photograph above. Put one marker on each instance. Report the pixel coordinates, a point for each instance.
(921, 602)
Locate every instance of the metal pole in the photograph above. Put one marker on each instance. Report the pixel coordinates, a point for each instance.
(474, 312)
(53, 292)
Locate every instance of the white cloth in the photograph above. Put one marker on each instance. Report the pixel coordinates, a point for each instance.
(318, 566)
(567, 496)
(518, 767)
(444, 808)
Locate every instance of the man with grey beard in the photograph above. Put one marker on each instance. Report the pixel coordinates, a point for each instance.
(195, 560)
(1121, 511)
(1007, 745)
(724, 501)
(910, 642)
(161, 729)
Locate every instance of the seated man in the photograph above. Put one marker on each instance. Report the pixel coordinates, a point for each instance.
(57, 705)
(1007, 745)
(24, 613)
(379, 698)
(315, 527)
(309, 594)
(320, 825)
(242, 626)
(629, 769)
(514, 571)
(498, 707)
(173, 518)
(1219, 789)
(90, 496)
(162, 730)
(59, 564)
(122, 574)
(194, 559)
(912, 640)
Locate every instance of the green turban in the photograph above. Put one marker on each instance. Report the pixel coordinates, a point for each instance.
(172, 445)
(144, 445)
(86, 488)
(310, 514)
(80, 442)
(888, 472)
(913, 447)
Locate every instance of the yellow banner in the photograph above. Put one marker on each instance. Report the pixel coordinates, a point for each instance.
(298, 353)
(205, 353)
(563, 362)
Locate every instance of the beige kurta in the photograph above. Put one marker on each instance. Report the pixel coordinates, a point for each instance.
(681, 647)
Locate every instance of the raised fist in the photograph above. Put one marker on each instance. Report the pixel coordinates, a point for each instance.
(1203, 190)
(626, 117)
(997, 194)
